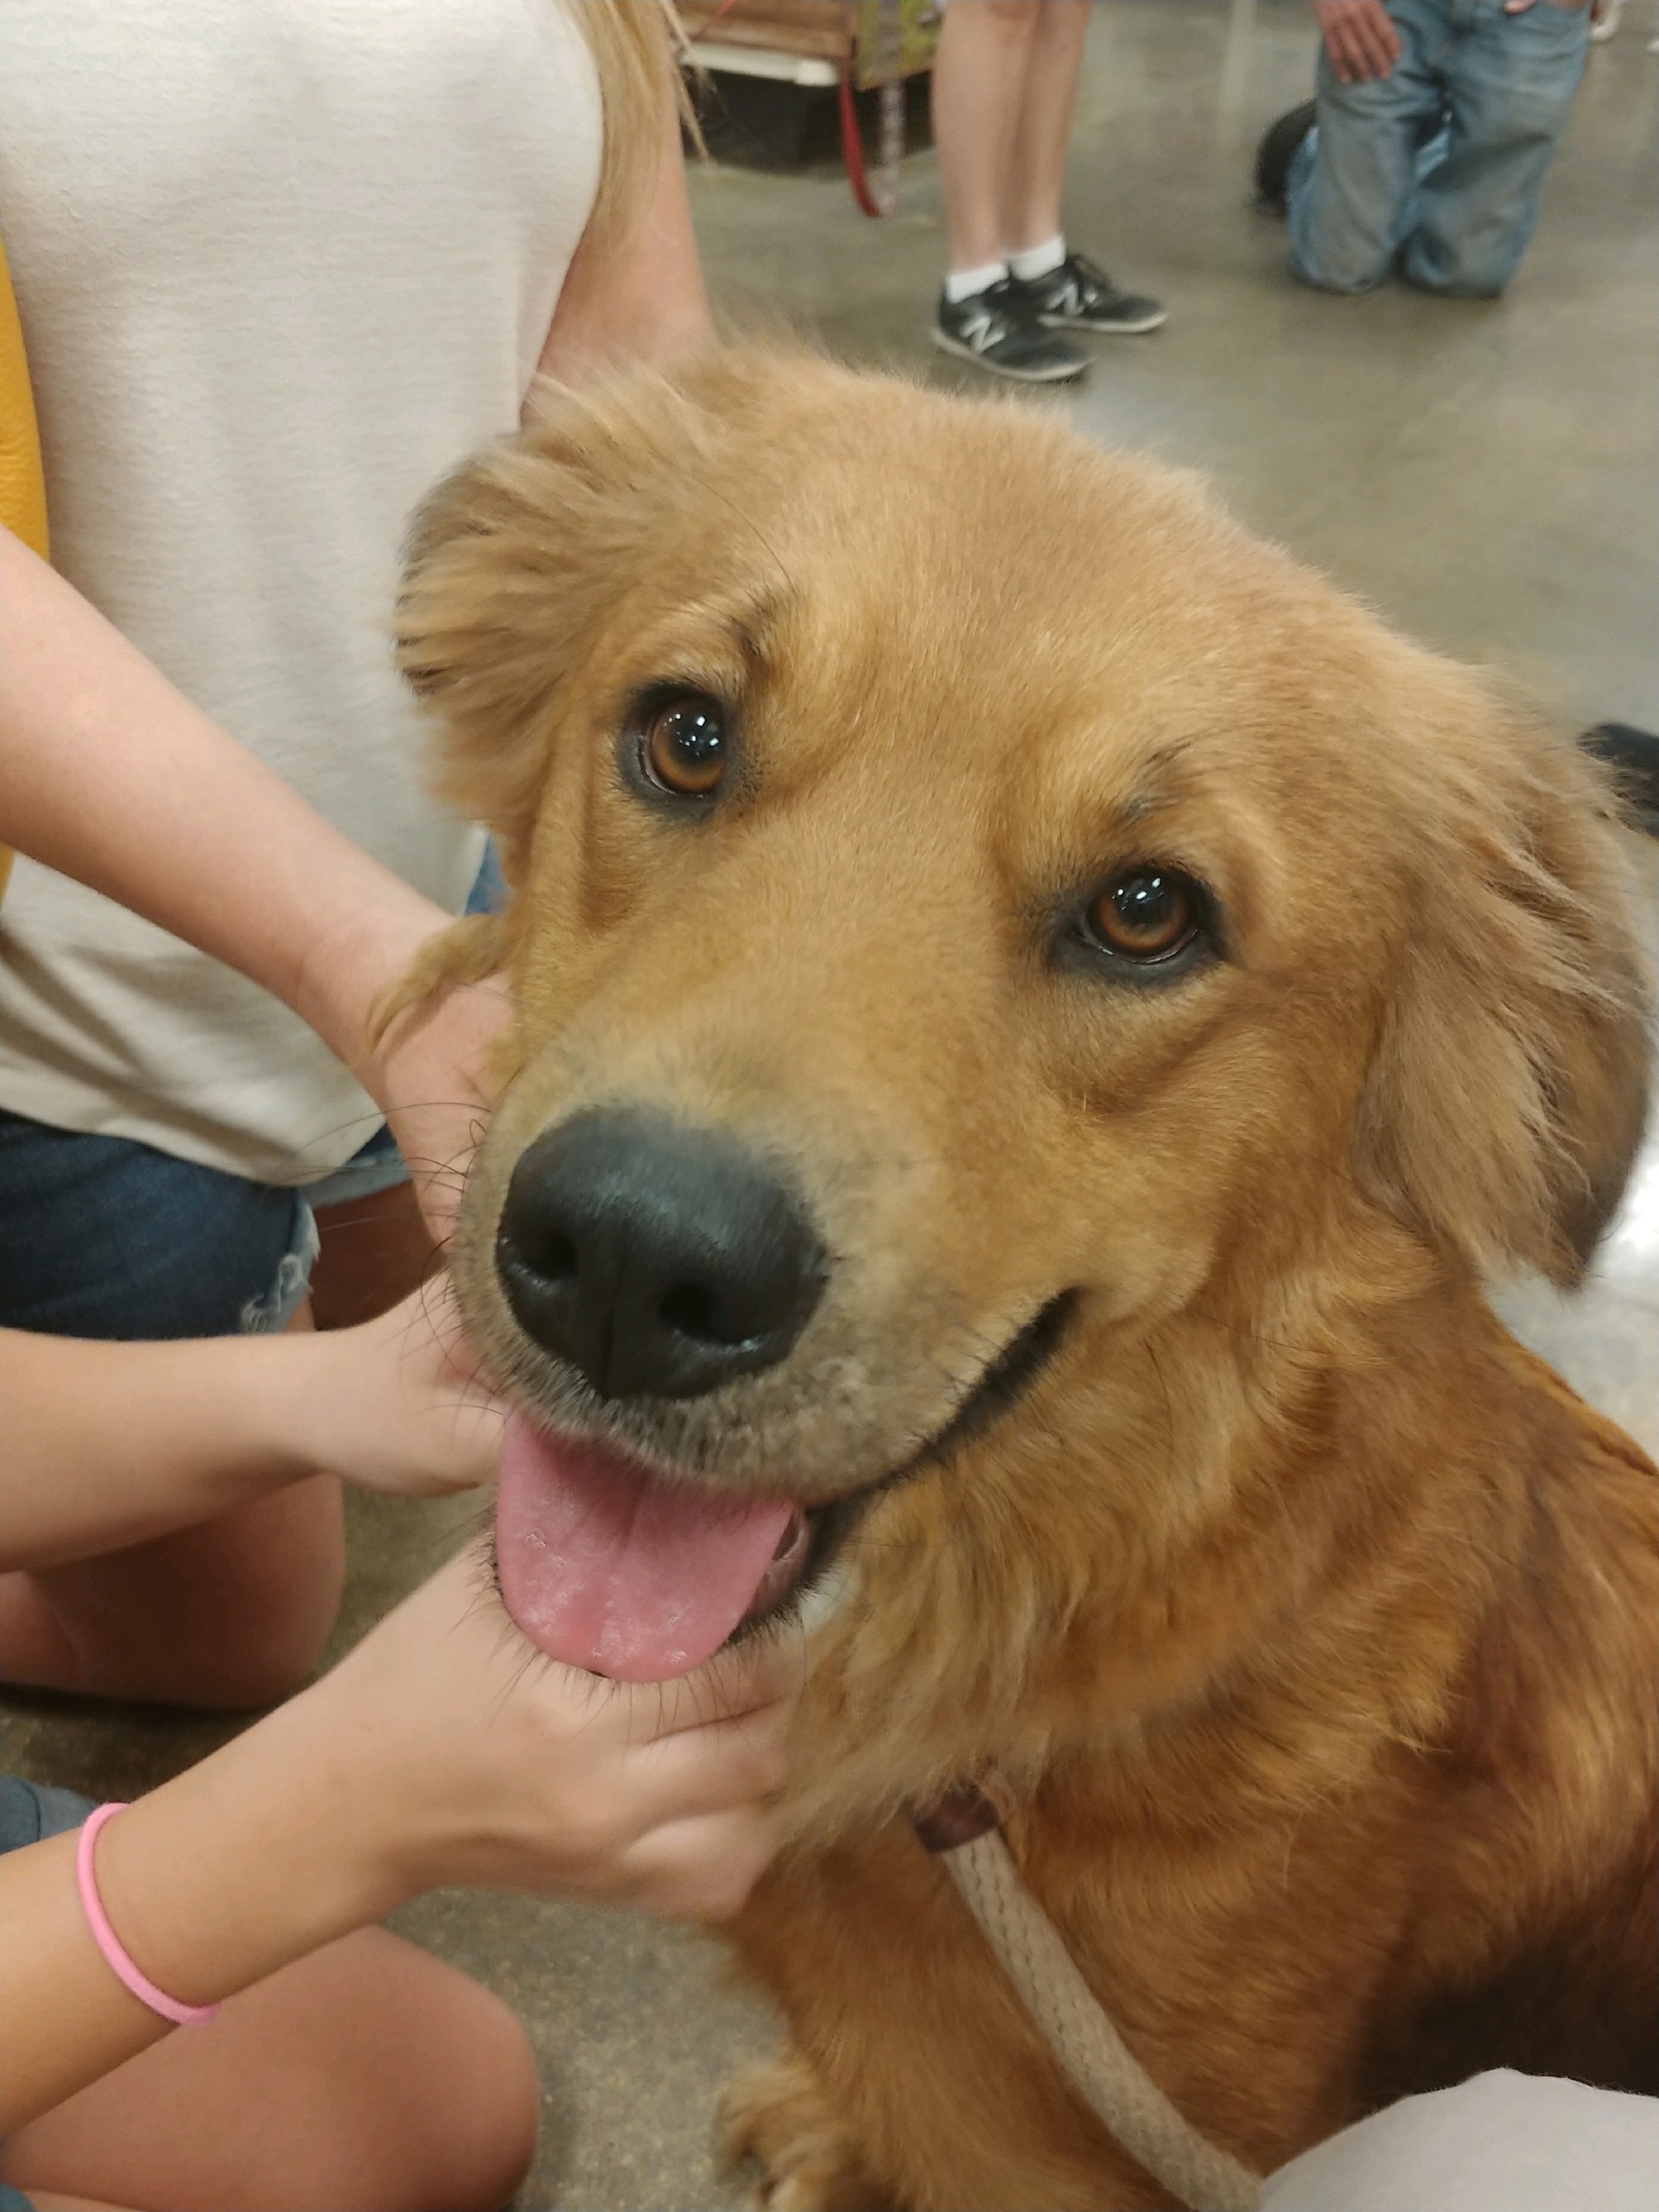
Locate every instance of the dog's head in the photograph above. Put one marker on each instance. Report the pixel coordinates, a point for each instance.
(974, 905)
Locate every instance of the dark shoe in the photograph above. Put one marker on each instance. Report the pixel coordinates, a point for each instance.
(1079, 296)
(996, 328)
(1633, 756)
(1276, 154)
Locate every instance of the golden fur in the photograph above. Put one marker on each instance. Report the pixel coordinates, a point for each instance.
(1312, 1624)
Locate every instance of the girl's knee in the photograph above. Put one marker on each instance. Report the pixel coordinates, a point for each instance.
(229, 1615)
(270, 1602)
(496, 2113)
(468, 2095)
(432, 2098)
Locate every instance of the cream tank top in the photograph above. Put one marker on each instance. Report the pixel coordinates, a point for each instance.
(281, 264)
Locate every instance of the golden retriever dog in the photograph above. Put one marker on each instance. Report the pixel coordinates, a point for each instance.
(1036, 1016)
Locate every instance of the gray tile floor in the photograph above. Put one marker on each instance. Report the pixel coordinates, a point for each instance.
(1485, 474)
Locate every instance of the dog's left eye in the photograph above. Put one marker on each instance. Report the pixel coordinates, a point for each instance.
(683, 746)
(1148, 914)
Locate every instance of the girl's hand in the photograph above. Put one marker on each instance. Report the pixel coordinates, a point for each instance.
(443, 1749)
(399, 1404)
(462, 1755)
(434, 1072)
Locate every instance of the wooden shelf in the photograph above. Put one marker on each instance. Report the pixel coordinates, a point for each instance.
(801, 30)
(809, 41)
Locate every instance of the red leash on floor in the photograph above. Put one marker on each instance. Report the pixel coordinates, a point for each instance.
(852, 151)
(878, 196)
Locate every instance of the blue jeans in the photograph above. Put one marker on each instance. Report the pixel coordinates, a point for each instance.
(1440, 165)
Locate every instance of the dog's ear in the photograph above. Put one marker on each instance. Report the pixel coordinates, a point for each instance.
(518, 562)
(1508, 1091)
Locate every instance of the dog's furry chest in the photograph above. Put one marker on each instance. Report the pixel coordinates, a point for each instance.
(1480, 1897)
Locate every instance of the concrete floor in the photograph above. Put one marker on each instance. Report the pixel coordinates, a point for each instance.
(1484, 472)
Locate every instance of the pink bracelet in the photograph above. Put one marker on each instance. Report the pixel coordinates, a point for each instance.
(182, 2016)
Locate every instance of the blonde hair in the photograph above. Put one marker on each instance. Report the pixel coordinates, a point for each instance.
(637, 46)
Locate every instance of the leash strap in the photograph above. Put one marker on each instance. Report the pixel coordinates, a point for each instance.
(1104, 2069)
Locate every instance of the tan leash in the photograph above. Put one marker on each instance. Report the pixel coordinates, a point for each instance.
(1104, 2071)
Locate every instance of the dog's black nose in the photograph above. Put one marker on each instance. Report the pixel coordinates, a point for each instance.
(659, 1259)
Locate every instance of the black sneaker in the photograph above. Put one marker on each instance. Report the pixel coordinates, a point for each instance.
(1079, 296)
(1276, 154)
(997, 329)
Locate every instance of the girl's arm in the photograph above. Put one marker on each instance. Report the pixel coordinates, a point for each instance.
(433, 1754)
(110, 775)
(109, 1445)
(643, 301)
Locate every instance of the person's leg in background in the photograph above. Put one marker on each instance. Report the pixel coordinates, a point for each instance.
(980, 75)
(1351, 188)
(231, 1614)
(1067, 290)
(978, 92)
(1511, 78)
(1036, 169)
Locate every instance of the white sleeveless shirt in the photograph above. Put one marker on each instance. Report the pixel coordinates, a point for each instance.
(281, 264)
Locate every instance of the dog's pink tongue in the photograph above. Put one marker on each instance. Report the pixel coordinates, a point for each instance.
(605, 1566)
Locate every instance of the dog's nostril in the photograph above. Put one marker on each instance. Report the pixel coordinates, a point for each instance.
(543, 1255)
(555, 1260)
(690, 1308)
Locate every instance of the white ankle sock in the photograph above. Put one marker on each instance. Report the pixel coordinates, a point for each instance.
(1037, 260)
(962, 283)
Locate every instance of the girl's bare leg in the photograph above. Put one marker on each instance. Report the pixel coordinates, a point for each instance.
(979, 91)
(369, 2078)
(1030, 213)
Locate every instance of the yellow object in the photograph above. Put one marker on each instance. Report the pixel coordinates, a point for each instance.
(22, 487)
(892, 38)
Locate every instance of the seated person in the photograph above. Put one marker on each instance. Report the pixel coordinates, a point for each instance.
(1427, 147)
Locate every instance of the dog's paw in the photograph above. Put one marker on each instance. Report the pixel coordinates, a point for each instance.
(779, 2118)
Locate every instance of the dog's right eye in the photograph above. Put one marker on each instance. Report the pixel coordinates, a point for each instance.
(1146, 914)
(683, 747)
(1147, 920)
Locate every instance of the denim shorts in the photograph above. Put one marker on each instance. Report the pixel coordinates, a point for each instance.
(101, 1236)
